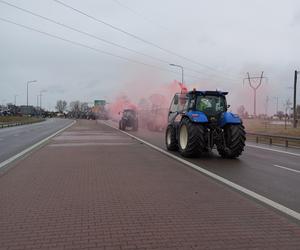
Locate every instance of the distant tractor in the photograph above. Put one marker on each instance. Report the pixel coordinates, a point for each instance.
(199, 120)
(129, 120)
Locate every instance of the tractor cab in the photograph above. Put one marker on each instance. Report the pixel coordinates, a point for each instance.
(210, 103)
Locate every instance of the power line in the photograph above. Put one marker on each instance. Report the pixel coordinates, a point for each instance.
(135, 36)
(139, 14)
(89, 47)
(82, 32)
(96, 37)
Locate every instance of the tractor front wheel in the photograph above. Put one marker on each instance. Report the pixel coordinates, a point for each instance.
(191, 141)
(171, 141)
(235, 137)
(122, 125)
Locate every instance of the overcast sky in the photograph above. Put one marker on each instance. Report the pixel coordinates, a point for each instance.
(218, 41)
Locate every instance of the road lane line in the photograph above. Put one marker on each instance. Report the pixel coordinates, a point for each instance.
(27, 150)
(275, 150)
(229, 183)
(290, 169)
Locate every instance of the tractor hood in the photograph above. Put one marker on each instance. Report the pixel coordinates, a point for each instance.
(197, 116)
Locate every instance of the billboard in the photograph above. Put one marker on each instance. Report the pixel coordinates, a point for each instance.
(99, 103)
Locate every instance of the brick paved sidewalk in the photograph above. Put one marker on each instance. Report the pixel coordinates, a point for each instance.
(95, 188)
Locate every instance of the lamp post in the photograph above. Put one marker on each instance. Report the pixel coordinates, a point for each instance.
(42, 91)
(15, 100)
(179, 66)
(27, 88)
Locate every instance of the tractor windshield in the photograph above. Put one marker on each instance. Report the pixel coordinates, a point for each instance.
(211, 104)
(129, 113)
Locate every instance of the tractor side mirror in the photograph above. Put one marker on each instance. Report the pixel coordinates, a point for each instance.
(228, 106)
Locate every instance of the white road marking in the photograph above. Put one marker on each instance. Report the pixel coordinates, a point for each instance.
(231, 184)
(274, 150)
(290, 169)
(27, 150)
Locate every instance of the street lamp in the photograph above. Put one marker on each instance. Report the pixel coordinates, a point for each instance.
(276, 98)
(15, 100)
(42, 91)
(27, 88)
(179, 66)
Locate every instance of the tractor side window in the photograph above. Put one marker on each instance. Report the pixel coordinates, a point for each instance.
(174, 104)
(183, 102)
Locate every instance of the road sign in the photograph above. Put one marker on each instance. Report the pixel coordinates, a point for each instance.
(99, 103)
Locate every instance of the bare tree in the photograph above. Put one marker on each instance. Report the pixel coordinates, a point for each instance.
(75, 106)
(61, 106)
(84, 107)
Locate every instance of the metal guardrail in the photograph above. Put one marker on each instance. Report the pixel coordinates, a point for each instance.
(13, 124)
(277, 140)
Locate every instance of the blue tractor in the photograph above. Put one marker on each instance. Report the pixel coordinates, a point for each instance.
(199, 120)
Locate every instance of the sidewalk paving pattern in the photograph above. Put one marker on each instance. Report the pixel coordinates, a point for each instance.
(94, 188)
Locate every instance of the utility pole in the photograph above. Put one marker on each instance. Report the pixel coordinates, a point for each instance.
(295, 100)
(42, 91)
(287, 107)
(267, 104)
(255, 88)
(37, 101)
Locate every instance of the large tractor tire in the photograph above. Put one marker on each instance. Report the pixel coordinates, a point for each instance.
(171, 141)
(122, 125)
(235, 137)
(191, 138)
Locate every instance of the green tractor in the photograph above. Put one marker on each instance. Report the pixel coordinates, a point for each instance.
(199, 120)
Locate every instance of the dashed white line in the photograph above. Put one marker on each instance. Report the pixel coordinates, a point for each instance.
(289, 169)
(274, 150)
(229, 183)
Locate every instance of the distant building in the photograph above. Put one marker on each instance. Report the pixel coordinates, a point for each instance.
(28, 110)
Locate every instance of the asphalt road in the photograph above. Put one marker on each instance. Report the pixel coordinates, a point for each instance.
(15, 139)
(261, 169)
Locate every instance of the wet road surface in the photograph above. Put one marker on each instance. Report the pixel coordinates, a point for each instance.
(15, 139)
(273, 174)
(93, 187)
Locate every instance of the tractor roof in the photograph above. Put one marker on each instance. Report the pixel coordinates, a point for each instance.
(129, 110)
(208, 92)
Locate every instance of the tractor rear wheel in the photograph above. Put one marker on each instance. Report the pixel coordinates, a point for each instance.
(191, 139)
(171, 141)
(235, 137)
(122, 125)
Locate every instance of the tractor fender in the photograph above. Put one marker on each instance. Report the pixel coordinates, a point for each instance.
(229, 118)
(196, 116)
